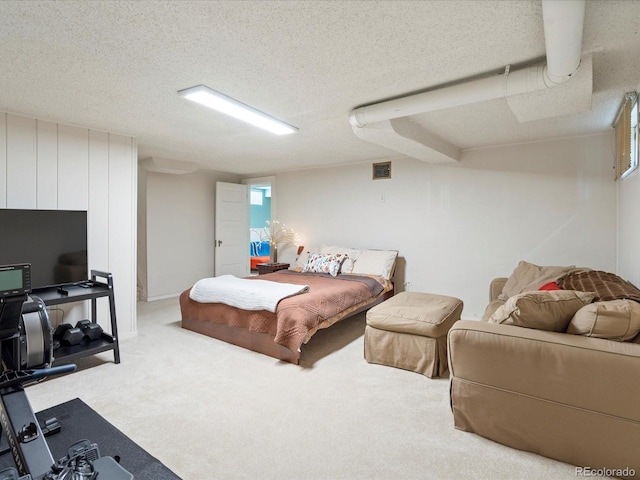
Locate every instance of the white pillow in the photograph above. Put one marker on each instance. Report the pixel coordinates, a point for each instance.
(375, 262)
(351, 253)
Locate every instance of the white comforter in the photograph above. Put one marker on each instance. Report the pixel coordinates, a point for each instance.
(244, 293)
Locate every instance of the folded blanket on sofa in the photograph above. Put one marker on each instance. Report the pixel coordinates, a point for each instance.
(244, 293)
(606, 286)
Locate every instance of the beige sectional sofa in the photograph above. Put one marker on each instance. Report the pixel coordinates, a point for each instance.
(571, 397)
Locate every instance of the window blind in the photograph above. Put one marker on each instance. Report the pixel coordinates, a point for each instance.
(625, 136)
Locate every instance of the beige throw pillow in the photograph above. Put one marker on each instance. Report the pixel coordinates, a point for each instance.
(527, 277)
(614, 320)
(542, 310)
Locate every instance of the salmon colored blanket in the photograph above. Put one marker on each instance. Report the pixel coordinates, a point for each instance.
(297, 318)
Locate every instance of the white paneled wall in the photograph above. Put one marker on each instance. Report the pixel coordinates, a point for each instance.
(122, 179)
(45, 165)
(73, 168)
(3, 160)
(98, 221)
(21, 162)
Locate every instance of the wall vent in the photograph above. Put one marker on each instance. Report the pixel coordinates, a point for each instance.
(381, 170)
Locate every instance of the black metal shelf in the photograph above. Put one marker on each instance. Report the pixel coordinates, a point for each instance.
(52, 295)
(77, 292)
(69, 354)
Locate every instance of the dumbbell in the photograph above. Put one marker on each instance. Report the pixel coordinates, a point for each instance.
(66, 334)
(91, 330)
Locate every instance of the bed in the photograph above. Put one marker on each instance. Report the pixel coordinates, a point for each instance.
(324, 299)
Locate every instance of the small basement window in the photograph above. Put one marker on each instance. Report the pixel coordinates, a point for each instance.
(626, 137)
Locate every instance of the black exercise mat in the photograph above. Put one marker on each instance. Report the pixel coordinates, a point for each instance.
(79, 421)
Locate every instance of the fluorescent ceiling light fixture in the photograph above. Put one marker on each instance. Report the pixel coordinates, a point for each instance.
(220, 102)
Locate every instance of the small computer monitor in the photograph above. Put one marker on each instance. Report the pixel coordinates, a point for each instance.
(15, 284)
(15, 280)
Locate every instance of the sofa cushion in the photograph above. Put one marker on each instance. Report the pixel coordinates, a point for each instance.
(614, 320)
(550, 310)
(527, 277)
(491, 308)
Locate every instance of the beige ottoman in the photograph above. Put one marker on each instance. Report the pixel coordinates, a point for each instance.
(410, 331)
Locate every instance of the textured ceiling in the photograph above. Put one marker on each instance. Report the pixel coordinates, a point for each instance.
(117, 65)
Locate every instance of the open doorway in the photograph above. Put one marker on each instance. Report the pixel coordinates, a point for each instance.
(261, 211)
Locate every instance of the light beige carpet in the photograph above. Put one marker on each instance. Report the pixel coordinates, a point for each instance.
(211, 410)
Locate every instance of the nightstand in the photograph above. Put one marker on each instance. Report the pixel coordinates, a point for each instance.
(271, 267)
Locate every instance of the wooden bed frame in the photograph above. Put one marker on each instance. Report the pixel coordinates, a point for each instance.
(256, 341)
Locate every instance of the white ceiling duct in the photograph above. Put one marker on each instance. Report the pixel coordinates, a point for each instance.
(407, 137)
(563, 25)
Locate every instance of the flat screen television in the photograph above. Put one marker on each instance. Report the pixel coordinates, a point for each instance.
(54, 242)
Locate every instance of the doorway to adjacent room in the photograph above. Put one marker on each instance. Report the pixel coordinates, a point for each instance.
(261, 211)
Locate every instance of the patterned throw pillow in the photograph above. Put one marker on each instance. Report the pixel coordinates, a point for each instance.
(324, 263)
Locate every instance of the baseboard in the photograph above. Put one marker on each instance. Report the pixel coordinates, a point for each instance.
(162, 297)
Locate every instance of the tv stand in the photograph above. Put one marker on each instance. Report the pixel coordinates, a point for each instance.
(76, 292)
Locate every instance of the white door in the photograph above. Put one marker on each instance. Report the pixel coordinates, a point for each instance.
(232, 230)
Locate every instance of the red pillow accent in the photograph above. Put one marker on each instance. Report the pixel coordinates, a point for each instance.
(550, 286)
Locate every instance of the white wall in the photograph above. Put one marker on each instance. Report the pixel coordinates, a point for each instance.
(629, 226)
(46, 165)
(180, 219)
(457, 227)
